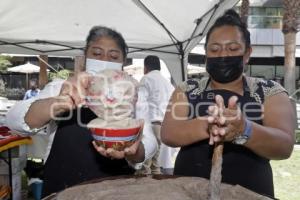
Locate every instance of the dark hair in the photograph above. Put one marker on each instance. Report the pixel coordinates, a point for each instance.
(152, 63)
(230, 18)
(100, 31)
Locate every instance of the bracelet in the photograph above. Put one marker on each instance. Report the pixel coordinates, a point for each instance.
(248, 128)
(244, 137)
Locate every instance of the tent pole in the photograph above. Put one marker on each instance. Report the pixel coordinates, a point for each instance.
(181, 52)
(182, 67)
(27, 84)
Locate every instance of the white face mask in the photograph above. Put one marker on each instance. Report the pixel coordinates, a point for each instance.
(93, 66)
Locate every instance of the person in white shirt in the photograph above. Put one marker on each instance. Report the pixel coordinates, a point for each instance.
(73, 156)
(155, 92)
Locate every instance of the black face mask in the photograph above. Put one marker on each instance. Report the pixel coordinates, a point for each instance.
(225, 69)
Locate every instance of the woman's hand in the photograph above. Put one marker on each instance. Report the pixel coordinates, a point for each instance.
(134, 153)
(72, 93)
(225, 123)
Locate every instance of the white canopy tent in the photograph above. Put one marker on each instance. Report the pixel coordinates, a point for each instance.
(167, 28)
(26, 68)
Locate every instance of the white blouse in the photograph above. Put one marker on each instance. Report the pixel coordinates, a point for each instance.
(15, 121)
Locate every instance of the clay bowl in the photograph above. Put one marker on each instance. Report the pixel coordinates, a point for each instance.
(53, 196)
(196, 185)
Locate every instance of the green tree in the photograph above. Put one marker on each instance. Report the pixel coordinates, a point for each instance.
(62, 74)
(4, 63)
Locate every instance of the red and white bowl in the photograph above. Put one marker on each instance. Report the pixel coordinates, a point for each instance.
(116, 138)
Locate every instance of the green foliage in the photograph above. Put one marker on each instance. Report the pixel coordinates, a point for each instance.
(4, 63)
(62, 74)
(2, 88)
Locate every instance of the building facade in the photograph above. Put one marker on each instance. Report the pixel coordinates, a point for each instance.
(265, 23)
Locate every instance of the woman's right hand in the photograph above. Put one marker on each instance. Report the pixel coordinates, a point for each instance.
(72, 93)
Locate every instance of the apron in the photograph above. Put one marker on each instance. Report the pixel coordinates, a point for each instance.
(73, 159)
(240, 165)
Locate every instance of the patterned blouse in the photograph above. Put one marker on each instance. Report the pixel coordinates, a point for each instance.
(260, 89)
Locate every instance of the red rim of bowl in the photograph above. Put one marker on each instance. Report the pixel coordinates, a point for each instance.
(109, 132)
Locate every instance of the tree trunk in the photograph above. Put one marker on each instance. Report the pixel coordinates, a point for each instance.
(43, 78)
(244, 11)
(290, 29)
(79, 64)
(289, 61)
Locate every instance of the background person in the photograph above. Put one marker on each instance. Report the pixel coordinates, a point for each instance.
(264, 129)
(33, 91)
(155, 92)
(72, 157)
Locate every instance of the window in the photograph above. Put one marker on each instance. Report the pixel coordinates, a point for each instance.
(263, 17)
